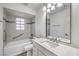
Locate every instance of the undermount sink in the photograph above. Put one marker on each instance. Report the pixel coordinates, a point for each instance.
(50, 44)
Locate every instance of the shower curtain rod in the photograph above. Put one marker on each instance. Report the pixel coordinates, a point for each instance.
(15, 21)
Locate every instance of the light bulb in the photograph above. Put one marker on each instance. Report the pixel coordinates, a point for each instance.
(44, 8)
(53, 8)
(48, 10)
(49, 5)
(59, 5)
(54, 3)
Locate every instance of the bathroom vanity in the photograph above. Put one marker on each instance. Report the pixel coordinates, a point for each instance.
(44, 47)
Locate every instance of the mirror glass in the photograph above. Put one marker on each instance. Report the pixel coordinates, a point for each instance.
(58, 21)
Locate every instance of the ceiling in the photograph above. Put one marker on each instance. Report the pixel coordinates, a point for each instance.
(35, 6)
(17, 13)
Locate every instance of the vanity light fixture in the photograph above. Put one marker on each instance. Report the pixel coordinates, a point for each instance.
(59, 4)
(53, 7)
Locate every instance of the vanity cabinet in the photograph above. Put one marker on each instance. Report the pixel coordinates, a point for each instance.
(40, 53)
(39, 50)
(34, 51)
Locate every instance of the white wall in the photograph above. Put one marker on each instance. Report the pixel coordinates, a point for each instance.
(75, 24)
(1, 31)
(40, 23)
(60, 23)
(12, 32)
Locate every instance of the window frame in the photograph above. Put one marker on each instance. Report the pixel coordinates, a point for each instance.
(20, 23)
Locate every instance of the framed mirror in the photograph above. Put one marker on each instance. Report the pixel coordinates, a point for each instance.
(58, 20)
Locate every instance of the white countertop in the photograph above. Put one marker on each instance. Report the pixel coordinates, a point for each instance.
(61, 50)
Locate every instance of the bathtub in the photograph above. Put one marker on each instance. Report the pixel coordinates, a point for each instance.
(16, 47)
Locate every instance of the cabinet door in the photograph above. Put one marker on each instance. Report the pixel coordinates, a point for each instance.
(34, 51)
(40, 53)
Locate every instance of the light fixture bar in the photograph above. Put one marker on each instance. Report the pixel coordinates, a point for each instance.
(59, 5)
(51, 6)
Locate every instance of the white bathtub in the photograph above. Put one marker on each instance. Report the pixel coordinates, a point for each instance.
(15, 47)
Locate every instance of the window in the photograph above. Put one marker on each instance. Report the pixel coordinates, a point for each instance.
(19, 24)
